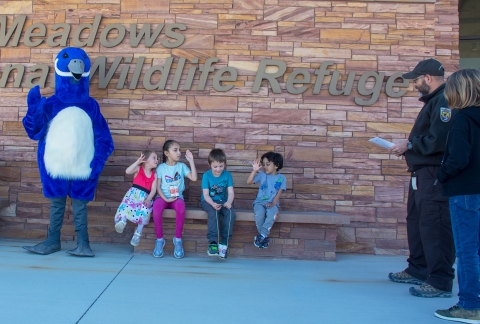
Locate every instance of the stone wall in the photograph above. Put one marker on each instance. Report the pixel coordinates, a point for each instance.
(329, 163)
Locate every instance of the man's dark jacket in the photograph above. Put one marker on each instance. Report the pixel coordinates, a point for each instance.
(429, 133)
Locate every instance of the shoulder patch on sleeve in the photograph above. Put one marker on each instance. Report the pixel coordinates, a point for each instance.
(445, 114)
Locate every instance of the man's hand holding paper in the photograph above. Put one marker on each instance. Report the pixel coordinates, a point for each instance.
(399, 148)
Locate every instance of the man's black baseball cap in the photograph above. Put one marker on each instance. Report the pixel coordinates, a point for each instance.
(430, 67)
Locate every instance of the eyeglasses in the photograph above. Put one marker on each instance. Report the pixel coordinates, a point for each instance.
(415, 80)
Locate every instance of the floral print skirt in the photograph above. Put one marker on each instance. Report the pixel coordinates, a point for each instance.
(134, 208)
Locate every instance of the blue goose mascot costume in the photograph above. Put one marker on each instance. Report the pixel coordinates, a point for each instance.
(74, 142)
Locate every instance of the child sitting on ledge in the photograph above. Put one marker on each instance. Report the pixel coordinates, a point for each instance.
(265, 206)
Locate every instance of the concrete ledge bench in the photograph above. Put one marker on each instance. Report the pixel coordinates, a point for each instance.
(295, 235)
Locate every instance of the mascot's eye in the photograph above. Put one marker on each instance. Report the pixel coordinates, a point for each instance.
(65, 55)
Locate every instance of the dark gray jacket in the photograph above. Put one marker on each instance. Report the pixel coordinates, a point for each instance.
(429, 133)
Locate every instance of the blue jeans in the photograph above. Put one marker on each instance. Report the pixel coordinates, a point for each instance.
(264, 218)
(228, 219)
(465, 215)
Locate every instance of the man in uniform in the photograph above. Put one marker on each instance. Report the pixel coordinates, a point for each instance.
(429, 230)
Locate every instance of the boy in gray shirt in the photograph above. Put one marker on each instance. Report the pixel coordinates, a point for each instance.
(265, 206)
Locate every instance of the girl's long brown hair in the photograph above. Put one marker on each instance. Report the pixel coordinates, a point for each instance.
(462, 89)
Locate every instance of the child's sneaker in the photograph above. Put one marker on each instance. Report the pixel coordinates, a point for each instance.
(135, 241)
(178, 250)
(158, 251)
(120, 226)
(212, 249)
(259, 241)
(223, 251)
(266, 242)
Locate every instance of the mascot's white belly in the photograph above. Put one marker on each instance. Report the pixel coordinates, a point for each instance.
(69, 146)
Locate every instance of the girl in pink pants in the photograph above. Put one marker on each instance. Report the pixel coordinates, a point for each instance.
(171, 174)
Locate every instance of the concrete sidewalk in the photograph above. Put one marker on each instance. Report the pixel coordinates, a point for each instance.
(117, 286)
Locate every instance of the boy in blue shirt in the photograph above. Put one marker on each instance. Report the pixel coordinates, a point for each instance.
(217, 199)
(266, 204)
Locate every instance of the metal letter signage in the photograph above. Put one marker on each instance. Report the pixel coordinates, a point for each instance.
(35, 34)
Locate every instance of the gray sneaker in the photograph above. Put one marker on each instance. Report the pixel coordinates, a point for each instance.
(158, 251)
(458, 314)
(135, 241)
(178, 251)
(404, 277)
(429, 291)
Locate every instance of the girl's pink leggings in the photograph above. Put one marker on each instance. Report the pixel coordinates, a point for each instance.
(178, 206)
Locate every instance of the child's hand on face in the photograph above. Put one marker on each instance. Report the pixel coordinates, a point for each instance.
(256, 165)
(189, 156)
(141, 159)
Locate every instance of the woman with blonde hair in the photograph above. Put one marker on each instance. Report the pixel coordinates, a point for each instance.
(460, 179)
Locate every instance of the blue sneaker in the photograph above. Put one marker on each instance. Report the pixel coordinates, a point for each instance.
(158, 251)
(261, 241)
(178, 251)
(266, 242)
(258, 241)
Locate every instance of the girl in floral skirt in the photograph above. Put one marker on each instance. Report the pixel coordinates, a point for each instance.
(137, 204)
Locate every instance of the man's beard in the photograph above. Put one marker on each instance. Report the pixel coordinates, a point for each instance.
(424, 88)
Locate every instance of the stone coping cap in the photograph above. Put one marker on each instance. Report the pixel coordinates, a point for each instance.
(284, 216)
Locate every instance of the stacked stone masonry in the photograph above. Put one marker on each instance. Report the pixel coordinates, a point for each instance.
(329, 163)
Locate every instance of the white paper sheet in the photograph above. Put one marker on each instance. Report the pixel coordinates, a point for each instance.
(381, 142)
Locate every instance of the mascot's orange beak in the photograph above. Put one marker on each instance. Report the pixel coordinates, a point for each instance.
(76, 67)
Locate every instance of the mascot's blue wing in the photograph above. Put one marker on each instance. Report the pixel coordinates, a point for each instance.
(35, 121)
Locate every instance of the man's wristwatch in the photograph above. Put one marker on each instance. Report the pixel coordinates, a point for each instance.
(409, 145)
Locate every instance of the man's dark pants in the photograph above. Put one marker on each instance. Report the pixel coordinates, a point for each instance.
(429, 230)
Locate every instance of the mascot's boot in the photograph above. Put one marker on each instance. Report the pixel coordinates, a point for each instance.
(81, 228)
(52, 243)
(82, 250)
(43, 248)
